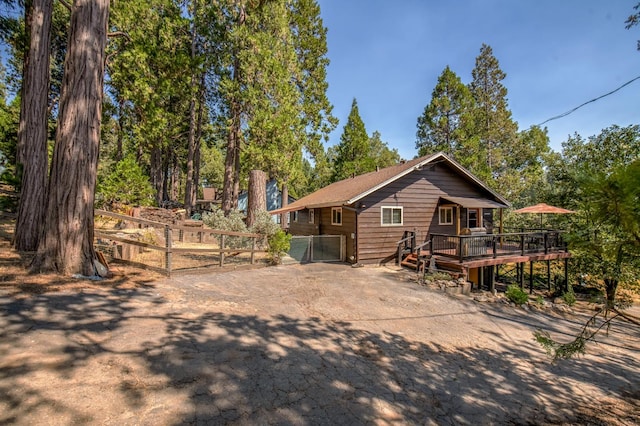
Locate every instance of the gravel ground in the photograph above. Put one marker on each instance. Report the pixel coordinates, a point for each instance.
(301, 345)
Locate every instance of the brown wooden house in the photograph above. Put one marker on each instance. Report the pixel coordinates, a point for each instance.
(432, 194)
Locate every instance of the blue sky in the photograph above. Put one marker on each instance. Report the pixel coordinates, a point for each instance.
(557, 54)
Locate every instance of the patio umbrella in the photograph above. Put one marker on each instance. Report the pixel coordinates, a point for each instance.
(543, 208)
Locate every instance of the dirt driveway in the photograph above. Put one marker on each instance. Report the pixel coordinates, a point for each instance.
(299, 345)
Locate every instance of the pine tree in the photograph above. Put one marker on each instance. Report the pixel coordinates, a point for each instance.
(492, 123)
(352, 153)
(443, 126)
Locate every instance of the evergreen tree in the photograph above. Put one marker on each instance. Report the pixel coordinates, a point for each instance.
(31, 154)
(380, 154)
(66, 245)
(352, 153)
(492, 127)
(443, 126)
(272, 88)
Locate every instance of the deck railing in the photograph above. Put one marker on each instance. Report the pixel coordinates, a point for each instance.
(468, 247)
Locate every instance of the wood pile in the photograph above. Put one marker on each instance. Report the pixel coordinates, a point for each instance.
(160, 215)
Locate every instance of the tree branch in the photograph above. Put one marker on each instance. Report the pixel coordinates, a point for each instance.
(118, 34)
(65, 4)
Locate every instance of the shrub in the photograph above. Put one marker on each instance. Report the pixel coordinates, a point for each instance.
(569, 296)
(264, 224)
(125, 184)
(233, 222)
(279, 244)
(516, 295)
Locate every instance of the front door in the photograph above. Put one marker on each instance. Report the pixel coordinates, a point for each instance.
(473, 218)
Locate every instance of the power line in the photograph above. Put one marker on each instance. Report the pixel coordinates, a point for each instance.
(564, 114)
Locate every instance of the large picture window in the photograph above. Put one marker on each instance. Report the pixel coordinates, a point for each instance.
(391, 216)
(336, 215)
(446, 216)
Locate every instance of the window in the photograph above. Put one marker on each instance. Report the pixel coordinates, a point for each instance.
(391, 216)
(446, 216)
(312, 214)
(473, 218)
(336, 215)
(295, 216)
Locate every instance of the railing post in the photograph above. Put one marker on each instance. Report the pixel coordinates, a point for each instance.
(460, 251)
(431, 245)
(399, 255)
(494, 246)
(546, 242)
(167, 253)
(522, 244)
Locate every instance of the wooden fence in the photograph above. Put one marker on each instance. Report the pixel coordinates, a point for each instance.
(241, 242)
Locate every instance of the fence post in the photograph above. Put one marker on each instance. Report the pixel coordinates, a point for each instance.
(522, 244)
(253, 250)
(222, 249)
(546, 242)
(167, 255)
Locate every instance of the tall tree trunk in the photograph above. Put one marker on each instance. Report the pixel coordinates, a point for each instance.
(196, 158)
(66, 245)
(257, 197)
(284, 203)
(175, 176)
(189, 199)
(232, 159)
(156, 173)
(32, 155)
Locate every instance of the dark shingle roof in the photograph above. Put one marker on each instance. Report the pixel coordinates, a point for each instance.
(350, 190)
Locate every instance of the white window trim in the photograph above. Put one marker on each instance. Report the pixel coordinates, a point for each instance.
(336, 209)
(312, 215)
(440, 209)
(382, 208)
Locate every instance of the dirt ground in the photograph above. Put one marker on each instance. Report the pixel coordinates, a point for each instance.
(294, 345)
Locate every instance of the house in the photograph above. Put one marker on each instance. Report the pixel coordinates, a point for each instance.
(442, 207)
(432, 194)
(274, 199)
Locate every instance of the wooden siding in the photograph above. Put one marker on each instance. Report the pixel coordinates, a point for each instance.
(302, 225)
(418, 193)
(323, 226)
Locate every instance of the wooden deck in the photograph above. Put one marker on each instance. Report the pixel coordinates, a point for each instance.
(464, 252)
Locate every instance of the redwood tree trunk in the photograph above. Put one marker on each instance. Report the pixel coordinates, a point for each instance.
(257, 200)
(32, 156)
(67, 242)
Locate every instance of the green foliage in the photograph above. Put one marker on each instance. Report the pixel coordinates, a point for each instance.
(264, 224)
(633, 20)
(443, 125)
(437, 276)
(352, 157)
(569, 296)
(492, 125)
(234, 221)
(279, 244)
(125, 184)
(516, 295)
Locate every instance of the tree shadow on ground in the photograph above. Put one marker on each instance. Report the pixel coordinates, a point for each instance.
(167, 365)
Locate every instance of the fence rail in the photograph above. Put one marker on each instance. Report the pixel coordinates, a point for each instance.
(226, 244)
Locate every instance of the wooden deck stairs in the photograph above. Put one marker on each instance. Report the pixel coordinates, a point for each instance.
(418, 263)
